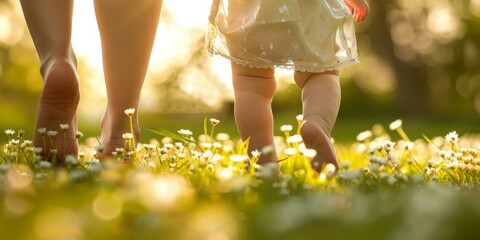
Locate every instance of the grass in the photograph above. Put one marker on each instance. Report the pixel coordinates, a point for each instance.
(201, 184)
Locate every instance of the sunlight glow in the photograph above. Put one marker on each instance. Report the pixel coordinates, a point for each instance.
(178, 36)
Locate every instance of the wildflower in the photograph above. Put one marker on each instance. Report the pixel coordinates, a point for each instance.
(168, 146)
(364, 135)
(442, 153)
(14, 141)
(10, 132)
(309, 153)
(294, 139)
(290, 151)
(127, 136)
(69, 159)
(179, 145)
(149, 147)
(203, 138)
(217, 145)
(268, 149)
(227, 148)
(119, 149)
(163, 151)
(473, 152)
(130, 111)
(21, 132)
(238, 158)
(223, 137)
(468, 159)
(408, 145)
(52, 133)
(94, 167)
(13, 154)
(374, 159)
(54, 151)
(27, 142)
(299, 118)
(185, 133)
(37, 150)
(206, 145)
(269, 170)
(44, 164)
(388, 146)
(79, 135)
(42, 130)
(350, 175)
(330, 170)
(286, 128)
(95, 161)
(395, 125)
(64, 127)
(256, 153)
(216, 158)
(452, 137)
(99, 148)
(345, 164)
(81, 154)
(214, 121)
(207, 154)
(224, 173)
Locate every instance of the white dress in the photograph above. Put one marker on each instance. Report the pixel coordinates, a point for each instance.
(303, 35)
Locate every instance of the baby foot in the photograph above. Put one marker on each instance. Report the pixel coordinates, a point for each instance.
(58, 106)
(316, 138)
(113, 130)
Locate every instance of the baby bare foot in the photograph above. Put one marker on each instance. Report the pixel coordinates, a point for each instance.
(56, 121)
(316, 138)
(115, 133)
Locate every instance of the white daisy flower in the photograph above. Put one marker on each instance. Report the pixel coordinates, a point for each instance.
(395, 124)
(130, 111)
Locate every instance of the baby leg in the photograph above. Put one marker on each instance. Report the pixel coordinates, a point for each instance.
(321, 102)
(127, 29)
(254, 90)
(49, 23)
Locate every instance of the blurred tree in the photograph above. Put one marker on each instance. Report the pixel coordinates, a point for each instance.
(433, 47)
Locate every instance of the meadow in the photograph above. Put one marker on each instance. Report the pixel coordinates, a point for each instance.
(204, 185)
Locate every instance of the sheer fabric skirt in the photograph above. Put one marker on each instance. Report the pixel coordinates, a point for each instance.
(303, 35)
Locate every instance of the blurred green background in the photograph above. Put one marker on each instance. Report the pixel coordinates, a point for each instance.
(420, 62)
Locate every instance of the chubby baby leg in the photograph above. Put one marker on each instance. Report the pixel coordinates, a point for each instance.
(254, 90)
(321, 102)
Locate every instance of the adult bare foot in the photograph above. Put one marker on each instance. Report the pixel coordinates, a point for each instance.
(318, 139)
(114, 131)
(56, 121)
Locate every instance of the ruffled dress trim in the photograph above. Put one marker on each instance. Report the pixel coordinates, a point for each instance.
(287, 66)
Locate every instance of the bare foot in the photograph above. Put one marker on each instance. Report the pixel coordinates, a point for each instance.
(58, 105)
(316, 138)
(113, 129)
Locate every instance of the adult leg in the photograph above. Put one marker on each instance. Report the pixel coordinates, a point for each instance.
(127, 29)
(49, 23)
(321, 101)
(254, 90)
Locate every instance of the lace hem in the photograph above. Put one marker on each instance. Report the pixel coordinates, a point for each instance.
(293, 66)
